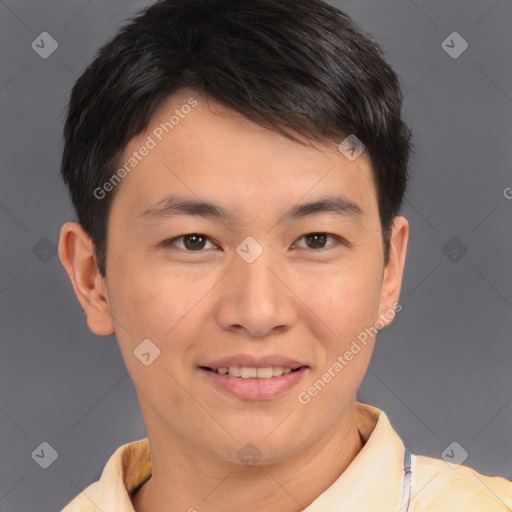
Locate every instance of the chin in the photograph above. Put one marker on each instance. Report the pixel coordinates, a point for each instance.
(263, 448)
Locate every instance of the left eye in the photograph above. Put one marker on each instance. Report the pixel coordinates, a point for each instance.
(317, 239)
(196, 241)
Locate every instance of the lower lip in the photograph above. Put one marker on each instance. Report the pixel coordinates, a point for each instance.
(255, 389)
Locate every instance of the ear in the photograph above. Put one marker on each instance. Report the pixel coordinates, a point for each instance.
(393, 272)
(76, 252)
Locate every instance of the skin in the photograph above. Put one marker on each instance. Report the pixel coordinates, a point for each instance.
(201, 304)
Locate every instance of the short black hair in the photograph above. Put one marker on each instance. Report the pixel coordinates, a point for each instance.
(293, 66)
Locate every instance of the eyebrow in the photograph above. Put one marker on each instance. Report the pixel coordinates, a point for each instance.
(174, 205)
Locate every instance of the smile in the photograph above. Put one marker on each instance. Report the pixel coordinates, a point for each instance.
(246, 372)
(252, 383)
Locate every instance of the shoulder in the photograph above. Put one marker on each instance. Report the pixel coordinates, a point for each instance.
(437, 487)
(85, 501)
(125, 469)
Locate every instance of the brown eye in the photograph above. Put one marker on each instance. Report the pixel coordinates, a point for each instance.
(191, 242)
(317, 240)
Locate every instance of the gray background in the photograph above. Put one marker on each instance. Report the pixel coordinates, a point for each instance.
(442, 371)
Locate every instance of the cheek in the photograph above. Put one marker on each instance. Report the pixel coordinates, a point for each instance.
(347, 304)
(144, 296)
(166, 307)
(155, 310)
(345, 300)
(143, 307)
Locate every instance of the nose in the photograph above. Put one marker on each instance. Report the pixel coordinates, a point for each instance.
(257, 299)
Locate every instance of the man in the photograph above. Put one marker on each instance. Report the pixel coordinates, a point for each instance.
(238, 169)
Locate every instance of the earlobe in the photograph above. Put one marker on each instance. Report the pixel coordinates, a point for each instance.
(393, 272)
(76, 252)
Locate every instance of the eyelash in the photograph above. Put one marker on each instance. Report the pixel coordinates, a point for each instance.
(338, 241)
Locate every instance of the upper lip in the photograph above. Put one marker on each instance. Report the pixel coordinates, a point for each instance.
(254, 362)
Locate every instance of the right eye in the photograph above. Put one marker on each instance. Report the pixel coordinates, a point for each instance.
(192, 242)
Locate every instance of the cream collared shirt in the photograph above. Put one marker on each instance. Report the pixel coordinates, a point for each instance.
(373, 482)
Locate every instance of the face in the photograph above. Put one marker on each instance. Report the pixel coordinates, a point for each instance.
(257, 286)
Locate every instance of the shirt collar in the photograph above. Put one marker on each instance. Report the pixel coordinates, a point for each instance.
(372, 481)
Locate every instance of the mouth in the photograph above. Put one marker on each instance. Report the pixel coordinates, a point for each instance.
(251, 383)
(247, 372)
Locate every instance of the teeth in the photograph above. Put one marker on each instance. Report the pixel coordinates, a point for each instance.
(234, 371)
(264, 373)
(276, 371)
(250, 373)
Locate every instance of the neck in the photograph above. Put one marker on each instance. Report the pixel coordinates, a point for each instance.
(188, 480)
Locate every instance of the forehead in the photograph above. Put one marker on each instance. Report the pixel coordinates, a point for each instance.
(199, 148)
